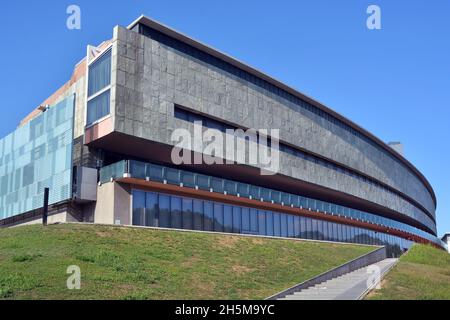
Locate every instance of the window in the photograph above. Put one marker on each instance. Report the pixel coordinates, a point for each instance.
(245, 220)
(99, 79)
(237, 220)
(100, 73)
(254, 221)
(297, 231)
(138, 208)
(175, 213)
(98, 107)
(218, 217)
(198, 214)
(187, 214)
(151, 214)
(28, 175)
(291, 227)
(262, 222)
(227, 219)
(269, 223)
(208, 217)
(276, 224)
(164, 211)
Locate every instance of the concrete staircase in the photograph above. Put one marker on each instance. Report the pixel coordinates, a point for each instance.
(350, 286)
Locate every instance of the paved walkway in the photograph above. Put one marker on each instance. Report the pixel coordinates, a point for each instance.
(350, 286)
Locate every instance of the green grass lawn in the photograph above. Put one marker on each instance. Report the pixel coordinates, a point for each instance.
(421, 274)
(136, 263)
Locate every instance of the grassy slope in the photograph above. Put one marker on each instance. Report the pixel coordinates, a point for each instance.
(422, 273)
(131, 263)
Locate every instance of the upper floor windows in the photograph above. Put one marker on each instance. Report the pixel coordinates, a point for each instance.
(99, 81)
(100, 74)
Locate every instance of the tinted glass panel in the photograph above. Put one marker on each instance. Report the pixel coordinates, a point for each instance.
(254, 220)
(262, 222)
(164, 211)
(227, 218)
(237, 219)
(269, 223)
(208, 216)
(138, 208)
(198, 214)
(151, 209)
(187, 214)
(218, 217)
(99, 73)
(175, 213)
(98, 107)
(276, 224)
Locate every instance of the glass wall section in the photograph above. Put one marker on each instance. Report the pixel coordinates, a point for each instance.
(173, 176)
(187, 216)
(198, 214)
(35, 156)
(228, 219)
(237, 220)
(164, 211)
(218, 217)
(208, 221)
(99, 81)
(151, 213)
(170, 211)
(139, 208)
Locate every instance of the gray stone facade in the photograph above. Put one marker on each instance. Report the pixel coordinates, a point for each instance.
(148, 78)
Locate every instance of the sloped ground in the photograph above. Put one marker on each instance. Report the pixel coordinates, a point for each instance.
(421, 274)
(136, 263)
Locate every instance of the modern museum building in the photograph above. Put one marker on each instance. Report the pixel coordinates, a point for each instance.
(104, 144)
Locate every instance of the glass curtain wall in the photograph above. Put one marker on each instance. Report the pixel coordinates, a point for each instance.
(170, 211)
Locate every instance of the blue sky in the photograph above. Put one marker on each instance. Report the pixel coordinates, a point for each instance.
(393, 82)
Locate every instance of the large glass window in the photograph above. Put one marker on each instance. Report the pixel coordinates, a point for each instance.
(245, 220)
(208, 216)
(100, 73)
(99, 79)
(164, 211)
(151, 210)
(98, 107)
(139, 208)
(297, 230)
(218, 217)
(227, 218)
(284, 225)
(277, 224)
(262, 222)
(198, 214)
(187, 215)
(269, 223)
(170, 211)
(254, 220)
(175, 213)
(291, 226)
(237, 219)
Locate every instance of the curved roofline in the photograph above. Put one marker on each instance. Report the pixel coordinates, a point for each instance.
(235, 62)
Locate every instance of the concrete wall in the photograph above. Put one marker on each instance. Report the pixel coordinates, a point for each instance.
(113, 204)
(149, 77)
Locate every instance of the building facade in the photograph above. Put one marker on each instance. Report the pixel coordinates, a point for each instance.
(335, 180)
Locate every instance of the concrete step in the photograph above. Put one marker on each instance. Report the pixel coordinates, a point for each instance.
(350, 286)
